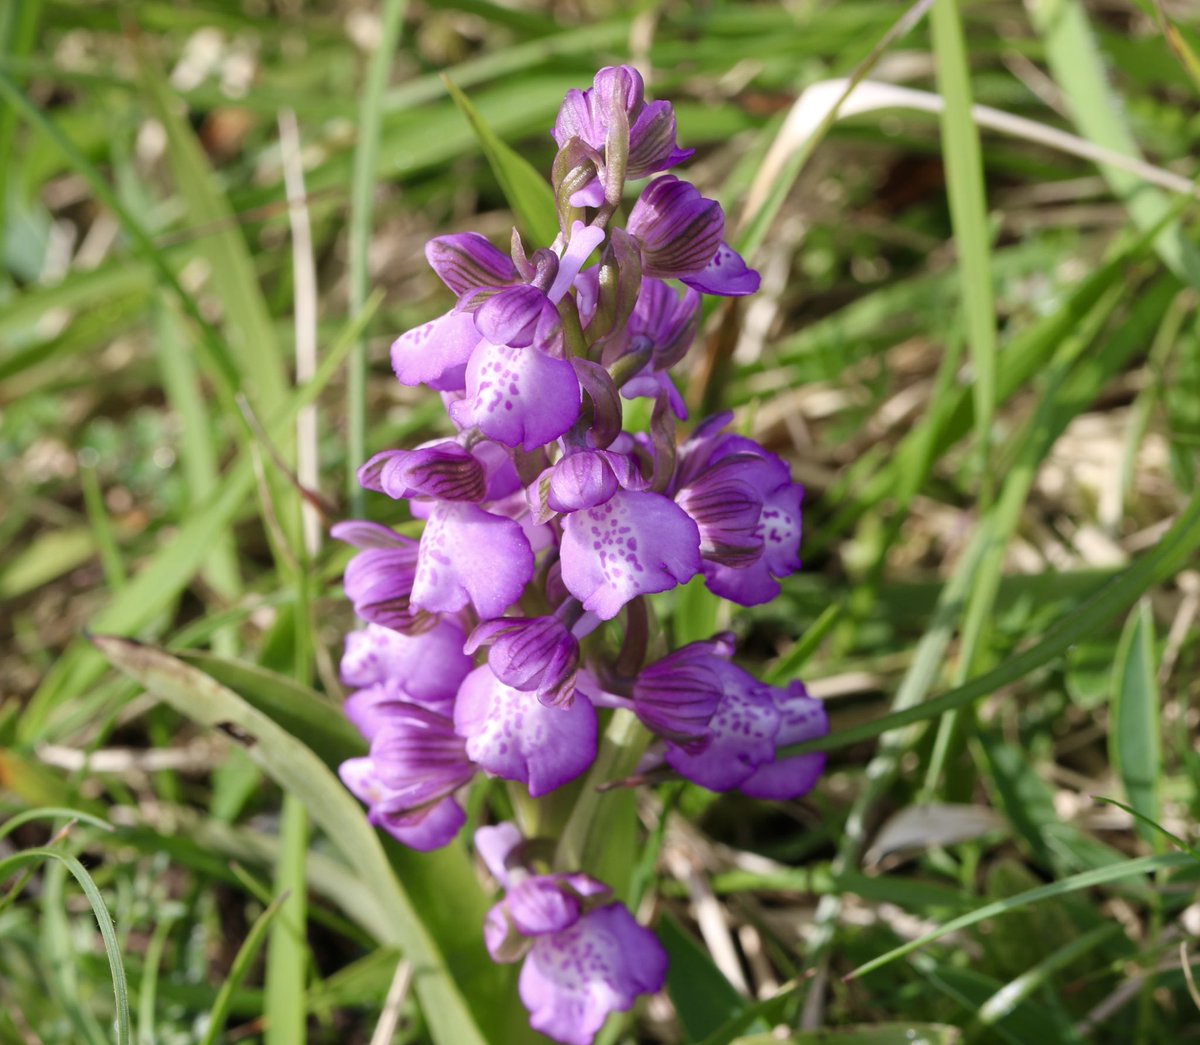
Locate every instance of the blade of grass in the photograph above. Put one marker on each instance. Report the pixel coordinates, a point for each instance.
(250, 332)
(527, 192)
(1134, 739)
(147, 990)
(362, 191)
(1079, 72)
(286, 956)
(174, 565)
(32, 857)
(1118, 594)
(242, 963)
(963, 161)
(301, 773)
(1086, 880)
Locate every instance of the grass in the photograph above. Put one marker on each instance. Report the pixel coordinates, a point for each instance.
(978, 352)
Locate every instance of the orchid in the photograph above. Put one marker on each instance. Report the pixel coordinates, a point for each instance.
(544, 519)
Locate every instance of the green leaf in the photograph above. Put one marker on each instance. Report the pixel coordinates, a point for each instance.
(527, 192)
(32, 857)
(301, 773)
(968, 210)
(1087, 880)
(1134, 737)
(704, 999)
(1117, 594)
(873, 1034)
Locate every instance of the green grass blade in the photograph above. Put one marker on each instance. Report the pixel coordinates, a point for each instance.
(968, 213)
(171, 569)
(362, 192)
(250, 332)
(147, 989)
(238, 971)
(1135, 744)
(1086, 880)
(527, 192)
(1079, 72)
(302, 774)
(51, 813)
(32, 857)
(1116, 595)
(287, 958)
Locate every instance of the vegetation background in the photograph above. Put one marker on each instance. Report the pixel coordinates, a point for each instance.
(976, 343)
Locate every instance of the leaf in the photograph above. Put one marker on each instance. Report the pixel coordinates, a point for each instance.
(1134, 738)
(301, 773)
(704, 999)
(1124, 589)
(1086, 880)
(935, 824)
(874, 1034)
(527, 192)
(32, 857)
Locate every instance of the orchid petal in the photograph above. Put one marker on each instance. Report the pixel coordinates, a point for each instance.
(436, 353)
(727, 275)
(634, 544)
(513, 736)
(519, 397)
(469, 555)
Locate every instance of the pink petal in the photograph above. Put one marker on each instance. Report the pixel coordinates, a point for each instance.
(436, 353)
(512, 735)
(518, 397)
(634, 544)
(469, 555)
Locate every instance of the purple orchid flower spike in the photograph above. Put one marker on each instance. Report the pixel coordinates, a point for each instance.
(614, 121)
(680, 233)
(585, 956)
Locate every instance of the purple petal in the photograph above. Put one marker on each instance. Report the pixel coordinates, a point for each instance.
(572, 980)
(635, 544)
(581, 480)
(803, 718)
(727, 275)
(575, 121)
(512, 316)
(467, 554)
(436, 353)
(537, 656)
(591, 195)
(494, 844)
(542, 904)
(652, 146)
(584, 239)
(444, 471)
(362, 534)
(679, 230)
(466, 261)
(430, 666)
(379, 582)
(431, 829)
(743, 731)
(750, 585)
(511, 735)
(519, 397)
(780, 527)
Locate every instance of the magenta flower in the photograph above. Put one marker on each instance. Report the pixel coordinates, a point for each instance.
(680, 236)
(585, 955)
(616, 99)
(512, 735)
(633, 544)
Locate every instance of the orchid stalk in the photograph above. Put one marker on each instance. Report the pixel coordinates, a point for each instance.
(546, 522)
